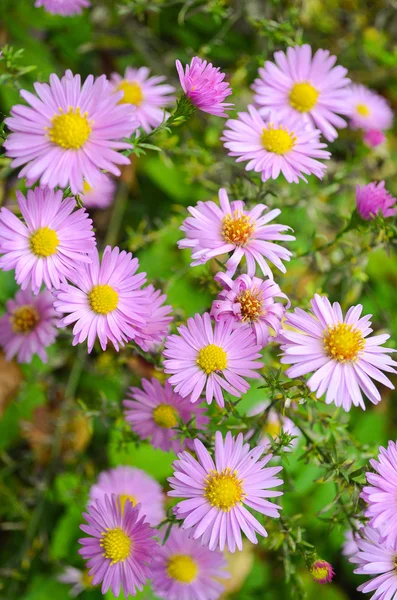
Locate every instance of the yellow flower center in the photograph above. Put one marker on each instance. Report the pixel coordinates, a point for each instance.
(123, 500)
(343, 342)
(87, 188)
(165, 416)
(87, 579)
(250, 305)
(103, 299)
(363, 110)
(273, 428)
(132, 92)
(237, 229)
(24, 319)
(319, 573)
(116, 545)
(212, 358)
(303, 97)
(44, 242)
(279, 141)
(70, 130)
(182, 568)
(223, 490)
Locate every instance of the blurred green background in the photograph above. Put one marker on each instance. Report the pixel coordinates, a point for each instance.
(61, 423)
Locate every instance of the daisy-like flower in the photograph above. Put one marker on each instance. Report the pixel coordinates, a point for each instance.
(183, 569)
(368, 110)
(70, 132)
(52, 242)
(29, 326)
(274, 144)
(374, 198)
(66, 8)
(79, 580)
(204, 85)
(152, 335)
(377, 558)
(106, 301)
(148, 94)
(339, 352)
(381, 492)
(214, 358)
(373, 138)
(322, 571)
(217, 492)
(129, 483)
(308, 87)
(100, 196)
(153, 414)
(120, 546)
(275, 422)
(212, 231)
(249, 302)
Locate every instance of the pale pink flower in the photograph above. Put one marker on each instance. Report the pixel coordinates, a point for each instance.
(274, 144)
(230, 228)
(204, 85)
(149, 95)
(70, 132)
(303, 86)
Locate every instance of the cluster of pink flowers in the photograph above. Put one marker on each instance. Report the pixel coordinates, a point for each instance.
(70, 136)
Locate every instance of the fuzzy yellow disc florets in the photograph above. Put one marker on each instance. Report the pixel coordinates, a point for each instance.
(182, 568)
(303, 97)
(343, 342)
(24, 319)
(165, 416)
(223, 490)
(278, 140)
(116, 545)
(70, 130)
(103, 299)
(212, 358)
(44, 242)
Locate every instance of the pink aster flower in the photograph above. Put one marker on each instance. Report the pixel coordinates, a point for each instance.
(249, 302)
(152, 335)
(29, 326)
(275, 144)
(120, 546)
(70, 132)
(381, 493)
(51, 243)
(100, 196)
(214, 358)
(79, 580)
(183, 569)
(374, 198)
(322, 571)
(303, 86)
(148, 94)
(106, 300)
(65, 8)
(204, 85)
(129, 483)
(338, 351)
(212, 231)
(217, 493)
(153, 413)
(374, 138)
(376, 558)
(368, 110)
(275, 422)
